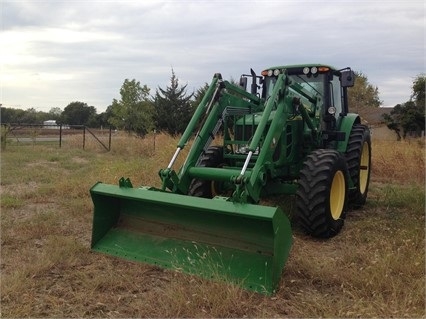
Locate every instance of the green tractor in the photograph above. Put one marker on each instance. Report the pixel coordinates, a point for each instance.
(291, 134)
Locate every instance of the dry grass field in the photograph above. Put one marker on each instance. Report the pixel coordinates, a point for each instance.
(374, 268)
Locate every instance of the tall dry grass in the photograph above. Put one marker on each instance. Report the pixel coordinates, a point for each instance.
(401, 162)
(374, 268)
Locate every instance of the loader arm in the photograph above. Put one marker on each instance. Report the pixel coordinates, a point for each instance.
(208, 118)
(222, 98)
(267, 133)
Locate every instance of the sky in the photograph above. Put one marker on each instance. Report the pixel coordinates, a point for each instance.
(56, 52)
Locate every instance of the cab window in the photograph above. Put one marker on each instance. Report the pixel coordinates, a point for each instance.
(313, 85)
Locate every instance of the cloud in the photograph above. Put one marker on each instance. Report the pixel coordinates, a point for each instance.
(57, 52)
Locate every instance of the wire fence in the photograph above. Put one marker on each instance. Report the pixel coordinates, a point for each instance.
(60, 135)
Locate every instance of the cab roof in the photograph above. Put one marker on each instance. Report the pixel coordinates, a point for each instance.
(301, 66)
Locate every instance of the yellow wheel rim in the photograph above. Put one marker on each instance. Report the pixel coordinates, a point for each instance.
(337, 195)
(364, 168)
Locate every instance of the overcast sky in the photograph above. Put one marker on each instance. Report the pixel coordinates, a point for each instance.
(55, 52)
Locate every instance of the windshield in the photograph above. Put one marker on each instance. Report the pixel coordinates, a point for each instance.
(314, 85)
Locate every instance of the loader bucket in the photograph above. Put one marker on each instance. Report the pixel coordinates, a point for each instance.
(213, 238)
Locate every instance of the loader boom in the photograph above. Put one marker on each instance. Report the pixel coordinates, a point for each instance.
(221, 99)
(209, 117)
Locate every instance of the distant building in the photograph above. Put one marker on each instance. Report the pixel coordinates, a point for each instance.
(50, 124)
(373, 117)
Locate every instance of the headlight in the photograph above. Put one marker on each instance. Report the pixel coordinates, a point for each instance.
(305, 70)
(332, 110)
(276, 72)
(270, 72)
(314, 70)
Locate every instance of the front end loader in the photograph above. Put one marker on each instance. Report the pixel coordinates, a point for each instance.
(295, 137)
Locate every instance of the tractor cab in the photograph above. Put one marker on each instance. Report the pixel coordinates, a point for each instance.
(325, 83)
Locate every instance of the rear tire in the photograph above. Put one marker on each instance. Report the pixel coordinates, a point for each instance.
(213, 157)
(322, 193)
(358, 157)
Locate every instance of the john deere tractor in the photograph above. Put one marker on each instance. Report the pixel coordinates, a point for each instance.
(292, 133)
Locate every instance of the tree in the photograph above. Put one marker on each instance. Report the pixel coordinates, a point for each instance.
(55, 113)
(363, 96)
(19, 116)
(30, 116)
(134, 111)
(173, 108)
(198, 95)
(103, 118)
(78, 113)
(11, 115)
(419, 85)
(409, 117)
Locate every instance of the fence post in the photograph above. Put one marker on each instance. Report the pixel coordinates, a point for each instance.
(155, 132)
(60, 135)
(109, 142)
(84, 136)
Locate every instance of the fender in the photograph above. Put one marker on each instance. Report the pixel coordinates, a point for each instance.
(346, 125)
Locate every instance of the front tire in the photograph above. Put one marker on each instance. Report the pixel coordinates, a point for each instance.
(322, 193)
(213, 157)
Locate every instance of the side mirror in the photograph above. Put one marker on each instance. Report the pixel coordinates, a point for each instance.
(347, 78)
(243, 82)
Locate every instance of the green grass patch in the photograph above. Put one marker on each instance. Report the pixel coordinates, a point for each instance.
(8, 201)
(409, 197)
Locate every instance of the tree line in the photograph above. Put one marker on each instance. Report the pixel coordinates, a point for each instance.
(170, 109)
(409, 118)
